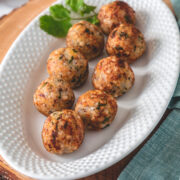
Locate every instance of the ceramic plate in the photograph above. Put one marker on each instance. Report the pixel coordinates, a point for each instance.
(24, 67)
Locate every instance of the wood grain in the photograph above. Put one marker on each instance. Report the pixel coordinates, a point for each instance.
(10, 27)
(12, 24)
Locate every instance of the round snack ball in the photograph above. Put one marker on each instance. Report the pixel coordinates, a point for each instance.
(53, 94)
(126, 41)
(97, 109)
(87, 38)
(69, 64)
(63, 132)
(113, 75)
(113, 14)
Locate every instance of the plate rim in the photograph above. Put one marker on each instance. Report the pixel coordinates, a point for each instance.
(110, 163)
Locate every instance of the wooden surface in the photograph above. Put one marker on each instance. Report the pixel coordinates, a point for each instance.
(10, 27)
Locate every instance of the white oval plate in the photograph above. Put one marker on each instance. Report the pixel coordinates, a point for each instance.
(24, 67)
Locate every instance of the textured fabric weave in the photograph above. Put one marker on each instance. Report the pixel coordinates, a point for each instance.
(159, 159)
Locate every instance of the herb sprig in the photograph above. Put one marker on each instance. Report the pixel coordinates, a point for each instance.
(59, 20)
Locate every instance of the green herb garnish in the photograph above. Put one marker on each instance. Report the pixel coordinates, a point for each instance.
(59, 12)
(123, 34)
(100, 104)
(106, 119)
(140, 38)
(54, 27)
(44, 84)
(77, 68)
(118, 48)
(87, 31)
(80, 7)
(73, 80)
(60, 90)
(75, 50)
(72, 57)
(59, 20)
(65, 124)
(106, 126)
(61, 57)
(79, 79)
(93, 19)
(50, 112)
(128, 19)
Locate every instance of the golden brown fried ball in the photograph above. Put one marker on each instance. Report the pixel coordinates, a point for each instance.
(87, 38)
(53, 94)
(97, 109)
(113, 75)
(63, 132)
(115, 13)
(69, 64)
(127, 42)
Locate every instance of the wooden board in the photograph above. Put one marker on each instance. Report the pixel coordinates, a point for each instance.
(10, 27)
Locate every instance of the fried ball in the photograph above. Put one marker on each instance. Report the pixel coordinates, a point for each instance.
(53, 94)
(97, 109)
(69, 64)
(87, 38)
(63, 132)
(126, 41)
(113, 75)
(113, 14)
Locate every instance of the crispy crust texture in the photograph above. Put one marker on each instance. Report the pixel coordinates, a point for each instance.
(97, 109)
(63, 132)
(113, 75)
(127, 42)
(53, 95)
(87, 38)
(68, 64)
(115, 13)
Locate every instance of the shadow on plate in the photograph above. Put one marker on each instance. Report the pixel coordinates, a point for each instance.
(96, 139)
(142, 20)
(152, 47)
(130, 99)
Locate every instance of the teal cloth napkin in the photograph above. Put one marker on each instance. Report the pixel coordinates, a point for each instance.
(159, 159)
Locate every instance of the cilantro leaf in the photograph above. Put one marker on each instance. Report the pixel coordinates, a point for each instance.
(79, 6)
(86, 9)
(59, 12)
(106, 119)
(59, 20)
(54, 27)
(75, 5)
(93, 20)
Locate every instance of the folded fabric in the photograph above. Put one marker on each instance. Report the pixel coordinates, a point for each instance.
(159, 159)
